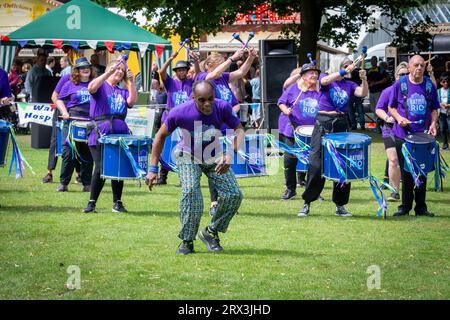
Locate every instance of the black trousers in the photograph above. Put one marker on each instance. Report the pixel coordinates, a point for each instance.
(315, 181)
(69, 163)
(163, 173)
(444, 124)
(52, 158)
(409, 192)
(290, 166)
(97, 182)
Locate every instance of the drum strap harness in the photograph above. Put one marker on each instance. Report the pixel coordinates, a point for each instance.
(404, 88)
(109, 118)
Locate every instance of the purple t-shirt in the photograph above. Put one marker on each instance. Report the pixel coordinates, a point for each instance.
(76, 95)
(335, 96)
(61, 83)
(418, 108)
(223, 90)
(5, 90)
(178, 92)
(304, 107)
(108, 101)
(201, 132)
(383, 103)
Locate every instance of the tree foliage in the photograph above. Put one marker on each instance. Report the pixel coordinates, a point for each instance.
(337, 20)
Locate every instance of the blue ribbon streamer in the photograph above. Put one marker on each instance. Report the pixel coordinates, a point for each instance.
(138, 172)
(378, 193)
(17, 158)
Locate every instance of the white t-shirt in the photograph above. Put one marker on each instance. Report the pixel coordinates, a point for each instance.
(443, 93)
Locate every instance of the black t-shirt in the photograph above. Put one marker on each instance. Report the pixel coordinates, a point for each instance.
(374, 75)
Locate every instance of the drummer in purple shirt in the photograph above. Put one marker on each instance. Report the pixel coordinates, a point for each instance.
(108, 109)
(393, 171)
(200, 151)
(217, 65)
(335, 91)
(299, 104)
(74, 101)
(421, 105)
(179, 91)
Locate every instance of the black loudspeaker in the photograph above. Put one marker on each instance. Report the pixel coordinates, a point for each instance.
(278, 59)
(42, 92)
(273, 113)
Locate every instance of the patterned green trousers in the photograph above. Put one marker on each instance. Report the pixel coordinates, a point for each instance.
(191, 203)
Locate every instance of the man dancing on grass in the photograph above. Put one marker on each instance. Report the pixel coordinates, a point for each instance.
(199, 151)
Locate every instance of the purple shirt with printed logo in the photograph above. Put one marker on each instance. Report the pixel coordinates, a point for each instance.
(108, 101)
(178, 92)
(223, 90)
(304, 107)
(61, 83)
(418, 107)
(383, 103)
(200, 131)
(76, 95)
(335, 96)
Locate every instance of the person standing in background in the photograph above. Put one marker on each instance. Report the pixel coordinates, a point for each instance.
(66, 68)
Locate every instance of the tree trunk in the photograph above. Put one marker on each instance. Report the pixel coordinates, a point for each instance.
(311, 16)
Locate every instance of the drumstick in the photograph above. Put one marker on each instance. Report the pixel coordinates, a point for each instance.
(362, 56)
(430, 47)
(123, 59)
(238, 38)
(183, 44)
(431, 59)
(75, 118)
(250, 37)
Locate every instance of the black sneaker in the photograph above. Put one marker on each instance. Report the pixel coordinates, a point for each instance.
(186, 247)
(395, 196)
(400, 213)
(48, 178)
(425, 214)
(118, 207)
(304, 212)
(211, 240)
(62, 188)
(160, 182)
(90, 208)
(342, 212)
(288, 194)
(445, 147)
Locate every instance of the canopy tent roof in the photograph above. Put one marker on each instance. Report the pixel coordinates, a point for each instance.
(82, 24)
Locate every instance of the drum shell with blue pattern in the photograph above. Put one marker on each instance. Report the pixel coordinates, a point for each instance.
(423, 149)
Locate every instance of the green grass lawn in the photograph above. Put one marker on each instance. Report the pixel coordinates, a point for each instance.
(269, 252)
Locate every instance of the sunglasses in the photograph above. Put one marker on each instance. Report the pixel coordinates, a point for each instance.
(403, 74)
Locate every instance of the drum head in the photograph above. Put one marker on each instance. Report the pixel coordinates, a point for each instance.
(420, 138)
(80, 124)
(305, 131)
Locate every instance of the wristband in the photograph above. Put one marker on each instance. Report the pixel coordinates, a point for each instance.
(153, 168)
(342, 72)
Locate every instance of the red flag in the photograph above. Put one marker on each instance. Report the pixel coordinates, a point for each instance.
(58, 43)
(159, 50)
(110, 46)
(4, 38)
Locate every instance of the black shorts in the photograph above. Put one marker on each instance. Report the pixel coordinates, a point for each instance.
(389, 142)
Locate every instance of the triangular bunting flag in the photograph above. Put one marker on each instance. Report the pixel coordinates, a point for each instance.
(39, 42)
(75, 45)
(124, 46)
(142, 48)
(58, 43)
(4, 38)
(22, 43)
(92, 44)
(110, 46)
(159, 50)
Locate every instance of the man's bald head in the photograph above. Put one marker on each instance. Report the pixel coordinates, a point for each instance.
(203, 93)
(416, 68)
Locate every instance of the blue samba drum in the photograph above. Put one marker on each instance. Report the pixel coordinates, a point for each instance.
(304, 133)
(167, 158)
(352, 149)
(116, 153)
(249, 162)
(78, 131)
(4, 139)
(59, 143)
(423, 149)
